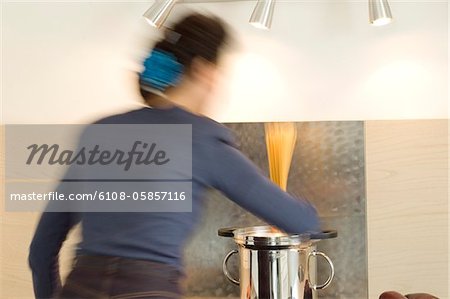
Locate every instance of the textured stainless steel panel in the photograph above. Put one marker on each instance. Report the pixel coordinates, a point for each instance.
(327, 169)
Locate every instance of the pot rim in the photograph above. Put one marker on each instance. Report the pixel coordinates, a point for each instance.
(231, 232)
(265, 236)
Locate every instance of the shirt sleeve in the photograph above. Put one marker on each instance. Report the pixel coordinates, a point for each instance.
(242, 182)
(50, 234)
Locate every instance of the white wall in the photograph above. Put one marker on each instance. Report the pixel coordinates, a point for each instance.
(71, 62)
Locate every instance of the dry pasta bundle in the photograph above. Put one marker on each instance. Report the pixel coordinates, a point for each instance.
(280, 142)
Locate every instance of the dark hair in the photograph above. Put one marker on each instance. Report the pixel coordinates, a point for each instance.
(195, 35)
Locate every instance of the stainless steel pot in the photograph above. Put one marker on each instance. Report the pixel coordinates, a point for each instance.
(274, 265)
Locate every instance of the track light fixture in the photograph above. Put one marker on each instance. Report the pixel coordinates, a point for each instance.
(157, 14)
(379, 12)
(262, 14)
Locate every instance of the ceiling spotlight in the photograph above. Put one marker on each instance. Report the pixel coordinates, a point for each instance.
(157, 14)
(379, 12)
(262, 14)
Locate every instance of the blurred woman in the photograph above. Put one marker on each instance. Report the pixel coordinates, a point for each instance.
(176, 84)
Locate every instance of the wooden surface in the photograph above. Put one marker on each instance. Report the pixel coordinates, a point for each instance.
(407, 193)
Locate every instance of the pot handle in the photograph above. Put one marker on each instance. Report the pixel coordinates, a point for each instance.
(225, 268)
(330, 263)
(226, 232)
(326, 234)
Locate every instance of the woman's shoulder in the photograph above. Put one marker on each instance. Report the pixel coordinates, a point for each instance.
(203, 128)
(214, 130)
(129, 117)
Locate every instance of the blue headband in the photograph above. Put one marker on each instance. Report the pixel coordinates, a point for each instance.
(161, 70)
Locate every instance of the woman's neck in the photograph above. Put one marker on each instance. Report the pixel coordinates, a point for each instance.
(188, 97)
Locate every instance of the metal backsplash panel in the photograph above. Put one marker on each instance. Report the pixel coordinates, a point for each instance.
(328, 169)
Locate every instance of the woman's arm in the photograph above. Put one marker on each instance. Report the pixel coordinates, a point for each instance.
(50, 233)
(241, 181)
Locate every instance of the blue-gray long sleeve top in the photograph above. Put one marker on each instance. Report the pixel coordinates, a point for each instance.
(160, 237)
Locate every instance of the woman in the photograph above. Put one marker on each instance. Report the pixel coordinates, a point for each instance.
(176, 82)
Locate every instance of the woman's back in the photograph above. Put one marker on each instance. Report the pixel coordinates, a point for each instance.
(155, 236)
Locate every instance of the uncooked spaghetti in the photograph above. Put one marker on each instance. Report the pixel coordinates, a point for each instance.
(280, 142)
